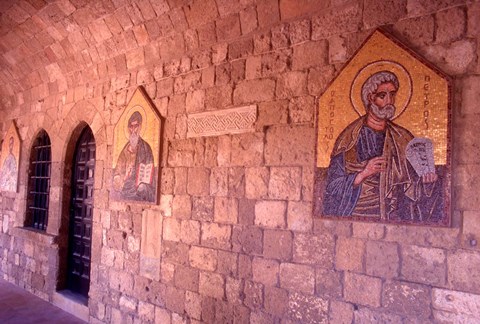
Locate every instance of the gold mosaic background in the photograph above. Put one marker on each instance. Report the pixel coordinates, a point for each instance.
(422, 100)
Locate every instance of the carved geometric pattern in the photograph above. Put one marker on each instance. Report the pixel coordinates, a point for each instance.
(227, 121)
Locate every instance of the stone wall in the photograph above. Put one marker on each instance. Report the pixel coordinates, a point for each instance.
(234, 238)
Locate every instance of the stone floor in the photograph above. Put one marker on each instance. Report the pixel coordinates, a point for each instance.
(18, 306)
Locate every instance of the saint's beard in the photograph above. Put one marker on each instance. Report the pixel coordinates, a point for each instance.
(385, 113)
(134, 140)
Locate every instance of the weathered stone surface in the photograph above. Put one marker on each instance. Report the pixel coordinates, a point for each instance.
(272, 113)
(247, 239)
(291, 84)
(462, 305)
(462, 271)
(366, 316)
(211, 284)
(423, 236)
(363, 290)
(203, 258)
(349, 254)
(382, 259)
(270, 214)
(426, 265)
(285, 183)
(407, 299)
(216, 235)
(299, 216)
(226, 210)
(302, 109)
(376, 14)
(276, 301)
(308, 55)
(470, 91)
(247, 149)
(227, 263)
(314, 249)
(307, 309)
(253, 91)
(299, 278)
(265, 271)
(277, 245)
(256, 182)
(369, 231)
(341, 313)
(300, 141)
(419, 30)
(328, 283)
(253, 295)
(336, 21)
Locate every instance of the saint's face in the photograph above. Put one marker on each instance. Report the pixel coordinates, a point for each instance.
(134, 127)
(385, 95)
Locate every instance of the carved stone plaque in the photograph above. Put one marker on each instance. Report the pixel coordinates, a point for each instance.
(219, 122)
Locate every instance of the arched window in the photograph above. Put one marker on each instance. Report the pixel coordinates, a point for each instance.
(39, 183)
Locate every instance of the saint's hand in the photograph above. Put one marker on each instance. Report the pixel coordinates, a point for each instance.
(374, 166)
(430, 177)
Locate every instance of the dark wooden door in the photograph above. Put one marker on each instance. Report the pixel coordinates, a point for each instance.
(81, 209)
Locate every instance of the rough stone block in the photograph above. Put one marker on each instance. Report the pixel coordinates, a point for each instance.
(203, 258)
(198, 181)
(190, 232)
(256, 182)
(270, 214)
(272, 113)
(253, 91)
(291, 84)
(367, 315)
(294, 8)
(340, 312)
(463, 271)
(463, 304)
(240, 48)
(295, 277)
(470, 91)
(268, 12)
(247, 149)
(216, 235)
(265, 271)
(450, 25)
(285, 183)
(202, 209)
(424, 265)
(247, 239)
(418, 30)
(277, 62)
(302, 109)
(362, 290)
(307, 309)
(181, 207)
(193, 305)
(277, 245)
(376, 14)
(423, 236)
(200, 12)
(212, 285)
(319, 78)
(175, 299)
(276, 301)
(175, 252)
(300, 141)
(228, 28)
(299, 216)
(248, 20)
(369, 231)
(226, 210)
(349, 254)
(219, 97)
(314, 249)
(246, 211)
(347, 19)
(236, 182)
(171, 229)
(382, 259)
(219, 182)
(310, 54)
(328, 283)
(407, 299)
(253, 295)
(234, 290)
(186, 278)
